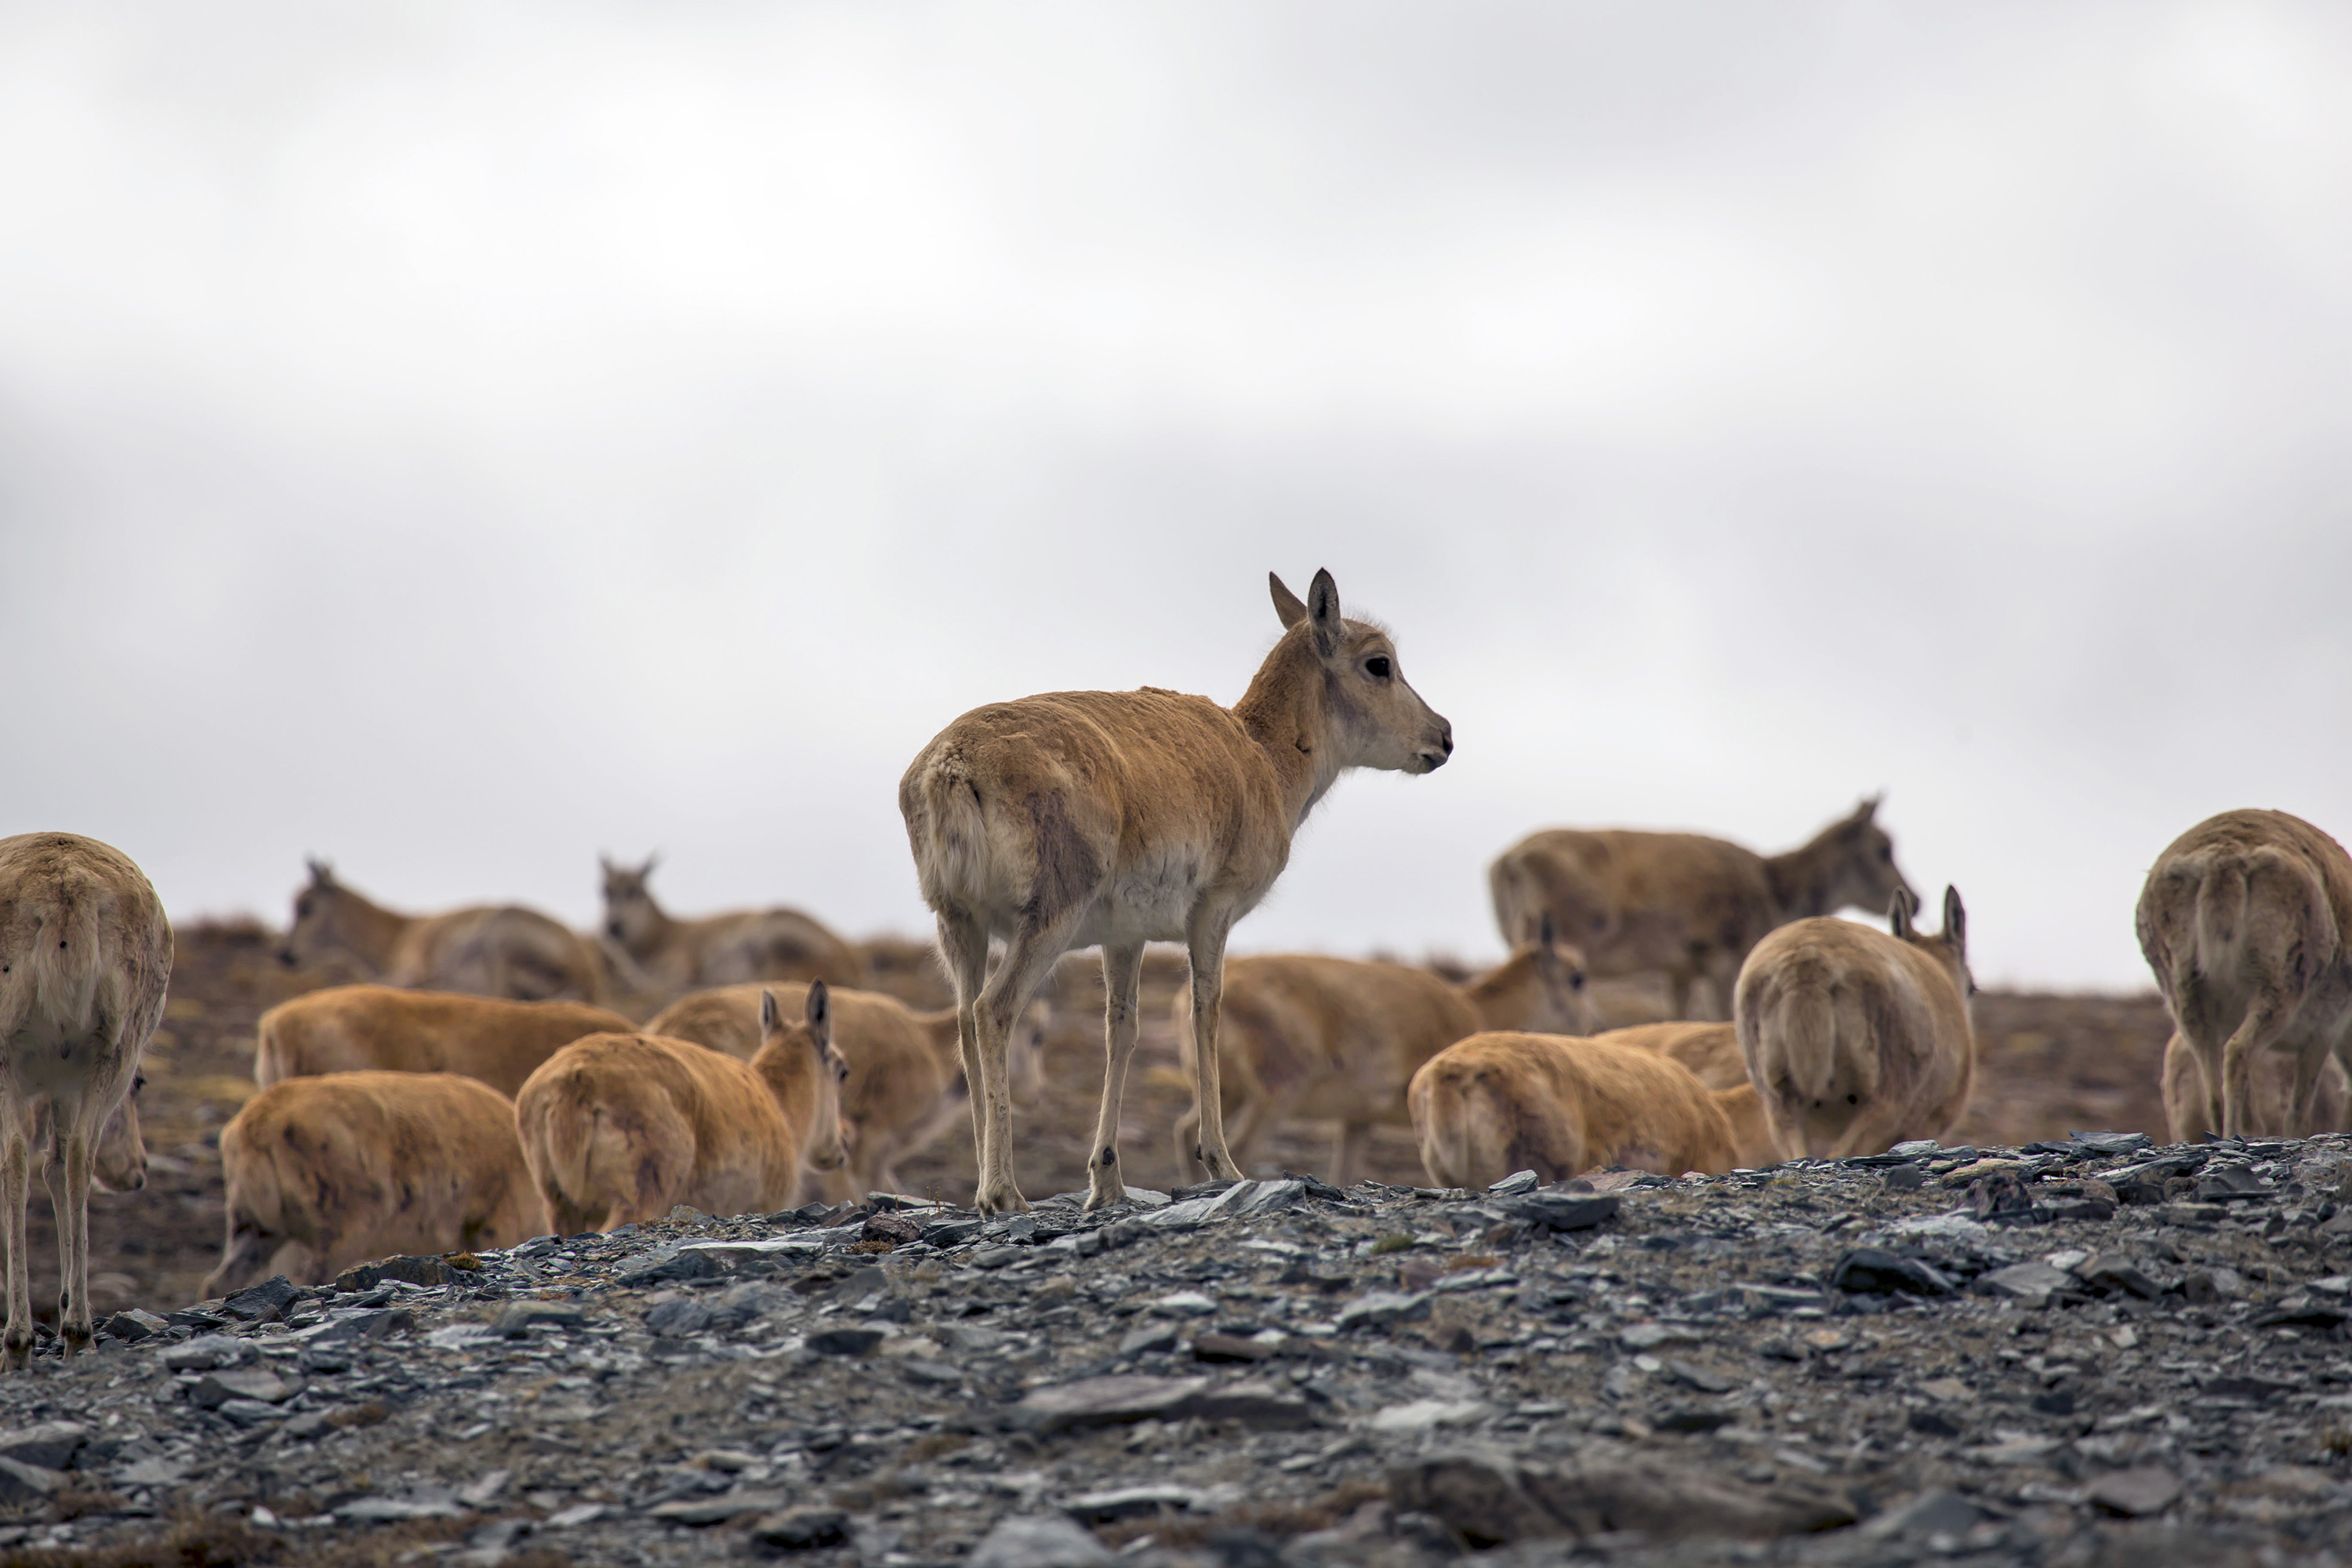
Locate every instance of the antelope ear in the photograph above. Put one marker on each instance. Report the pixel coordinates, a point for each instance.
(652, 860)
(1544, 934)
(771, 1015)
(1867, 809)
(1285, 602)
(819, 1013)
(1956, 921)
(604, 863)
(1323, 612)
(322, 875)
(1899, 911)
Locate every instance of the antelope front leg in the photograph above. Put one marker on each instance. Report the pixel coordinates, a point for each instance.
(1122, 972)
(1208, 952)
(17, 1342)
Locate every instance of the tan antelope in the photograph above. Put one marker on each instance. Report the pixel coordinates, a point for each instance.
(1856, 1039)
(674, 956)
(85, 956)
(1711, 1052)
(2246, 920)
(622, 1128)
(906, 1078)
(1085, 818)
(488, 951)
(1558, 1105)
(365, 1028)
(324, 1173)
(1682, 903)
(2188, 1104)
(1309, 1038)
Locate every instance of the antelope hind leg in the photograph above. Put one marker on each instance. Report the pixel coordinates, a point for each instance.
(1122, 972)
(1208, 956)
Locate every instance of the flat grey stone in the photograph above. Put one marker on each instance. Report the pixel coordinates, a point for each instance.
(1375, 1307)
(1127, 1503)
(24, 1486)
(2031, 1282)
(1038, 1541)
(1490, 1495)
(256, 1383)
(206, 1351)
(717, 1509)
(2142, 1490)
(50, 1445)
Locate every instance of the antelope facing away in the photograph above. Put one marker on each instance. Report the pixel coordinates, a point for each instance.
(1311, 1039)
(85, 957)
(324, 1173)
(487, 951)
(622, 1128)
(2246, 920)
(1688, 905)
(2188, 1104)
(906, 1081)
(1855, 1039)
(1085, 819)
(363, 1029)
(675, 955)
(1500, 1102)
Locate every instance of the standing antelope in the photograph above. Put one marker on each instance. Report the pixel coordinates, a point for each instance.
(2188, 1104)
(1682, 903)
(1854, 1039)
(2246, 920)
(1307, 1037)
(906, 1081)
(373, 1028)
(487, 951)
(622, 1128)
(674, 956)
(85, 955)
(1085, 818)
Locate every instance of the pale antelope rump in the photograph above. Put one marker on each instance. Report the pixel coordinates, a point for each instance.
(324, 1173)
(490, 950)
(361, 1028)
(622, 1128)
(1682, 903)
(1085, 818)
(85, 957)
(905, 1076)
(1558, 1105)
(668, 955)
(1310, 1038)
(2189, 1105)
(2246, 920)
(1856, 1039)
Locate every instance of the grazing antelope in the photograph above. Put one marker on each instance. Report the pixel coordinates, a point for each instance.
(1310, 1038)
(1681, 902)
(1085, 818)
(1556, 1105)
(2246, 920)
(490, 950)
(2188, 1104)
(324, 1173)
(85, 956)
(674, 956)
(1711, 1051)
(905, 1081)
(363, 1029)
(623, 1128)
(1857, 1040)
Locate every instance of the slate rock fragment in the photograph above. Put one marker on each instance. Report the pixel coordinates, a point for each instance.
(678, 1319)
(1555, 1208)
(2136, 1493)
(405, 1267)
(1492, 1496)
(1038, 1541)
(263, 1302)
(1867, 1270)
(799, 1529)
(48, 1446)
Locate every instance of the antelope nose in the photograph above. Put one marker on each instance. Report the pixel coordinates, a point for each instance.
(285, 956)
(1446, 739)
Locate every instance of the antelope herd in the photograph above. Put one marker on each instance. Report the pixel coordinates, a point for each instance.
(487, 1081)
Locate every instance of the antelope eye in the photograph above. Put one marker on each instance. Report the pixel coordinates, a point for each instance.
(139, 1083)
(1576, 982)
(1378, 668)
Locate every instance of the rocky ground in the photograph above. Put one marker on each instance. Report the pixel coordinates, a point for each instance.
(2088, 1351)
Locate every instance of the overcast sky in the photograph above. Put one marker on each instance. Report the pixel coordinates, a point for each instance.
(456, 440)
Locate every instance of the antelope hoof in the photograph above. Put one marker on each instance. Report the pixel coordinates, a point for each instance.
(1105, 1190)
(1006, 1199)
